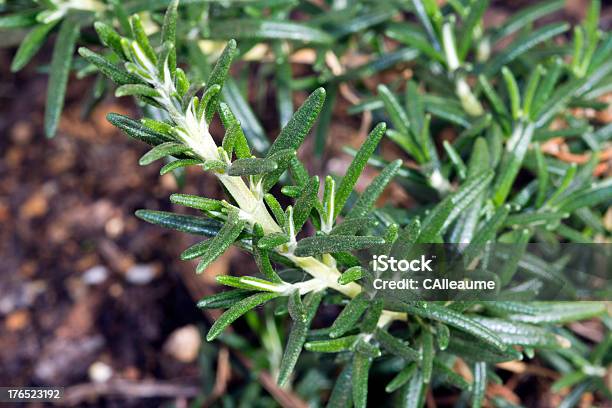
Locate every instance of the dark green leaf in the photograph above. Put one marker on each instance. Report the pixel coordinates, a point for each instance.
(356, 167)
(349, 316)
(184, 223)
(237, 310)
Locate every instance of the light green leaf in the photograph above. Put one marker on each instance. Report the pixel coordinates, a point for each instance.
(366, 201)
(58, 77)
(251, 166)
(317, 245)
(524, 44)
(356, 167)
(401, 378)
(218, 76)
(351, 275)
(456, 320)
(30, 45)
(480, 384)
(224, 299)
(193, 201)
(237, 310)
(332, 345)
(304, 203)
(161, 151)
(178, 164)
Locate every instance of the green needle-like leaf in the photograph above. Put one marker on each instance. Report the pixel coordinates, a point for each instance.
(60, 69)
(30, 45)
(237, 310)
(161, 151)
(220, 242)
(184, 223)
(356, 167)
(336, 243)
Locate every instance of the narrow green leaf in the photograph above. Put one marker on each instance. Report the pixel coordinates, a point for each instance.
(561, 312)
(366, 201)
(109, 37)
(349, 316)
(292, 135)
(486, 234)
(193, 201)
(248, 122)
(456, 320)
(332, 345)
(362, 361)
(447, 376)
(240, 144)
(58, 77)
(513, 92)
(305, 203)
(137, 130)
(224, 299)
(161, 151)
(262, 258)
(396, 346)
(253, 29)
(178, 164)
(168, 32)
(184, 223)
(455, 158)
(237, 310)
(271, 241)
(275, 207)
(413, 393)
(511, 163)
(427, 350)
(522, 334)
(480, 384)
(317, 245)
(401, 378)
(141, 38)
(526, 16)
(341, 396)
(30, 45)
(251, 166)
(18, 20)
(356, 167)
(218, 76)
(524, 44)
(472, 349)
(592, 196)
(116, 75)
(445, 213)
(136, 90)
(354, 225)
(220, 242)
(297, 335)
(283, 158)
(351, 275)
(195, 251)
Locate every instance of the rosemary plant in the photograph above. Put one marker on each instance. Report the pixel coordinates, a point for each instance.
(470, 194)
